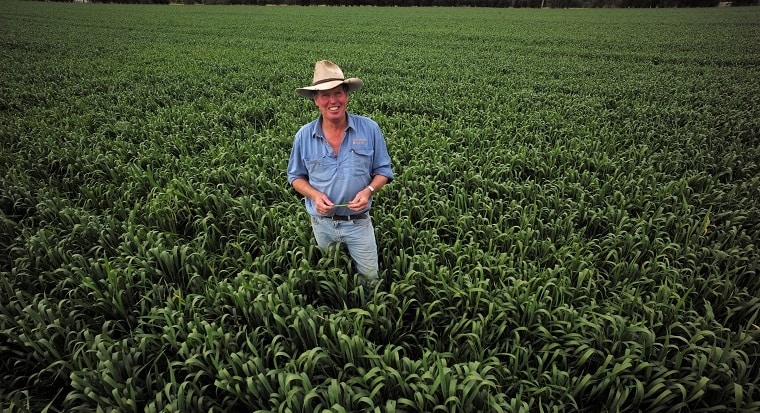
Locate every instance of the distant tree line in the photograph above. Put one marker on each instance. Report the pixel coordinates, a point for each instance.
(454, 3)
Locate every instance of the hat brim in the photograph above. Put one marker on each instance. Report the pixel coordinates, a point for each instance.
(353, 84)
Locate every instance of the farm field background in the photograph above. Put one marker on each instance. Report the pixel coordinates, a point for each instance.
(574, 226)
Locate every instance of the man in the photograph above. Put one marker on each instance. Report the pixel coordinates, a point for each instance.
(338, 162)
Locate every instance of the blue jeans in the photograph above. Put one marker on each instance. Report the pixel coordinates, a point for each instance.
(358, 235)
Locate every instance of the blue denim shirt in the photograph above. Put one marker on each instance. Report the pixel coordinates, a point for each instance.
(363, 154)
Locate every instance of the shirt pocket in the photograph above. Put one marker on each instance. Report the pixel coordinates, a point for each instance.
(361, 161)
(321, 169)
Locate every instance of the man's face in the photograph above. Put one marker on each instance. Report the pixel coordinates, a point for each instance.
(332, 103)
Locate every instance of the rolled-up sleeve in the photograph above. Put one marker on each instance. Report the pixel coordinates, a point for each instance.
(381, 164)
(296, 166)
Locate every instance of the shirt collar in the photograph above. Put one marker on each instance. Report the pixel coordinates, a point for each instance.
(317, 131)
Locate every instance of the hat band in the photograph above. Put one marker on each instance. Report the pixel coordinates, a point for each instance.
(332, 79)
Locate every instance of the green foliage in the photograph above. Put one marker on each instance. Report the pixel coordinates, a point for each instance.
(574, 226)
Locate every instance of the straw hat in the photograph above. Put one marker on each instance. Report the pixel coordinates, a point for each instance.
(328, 75)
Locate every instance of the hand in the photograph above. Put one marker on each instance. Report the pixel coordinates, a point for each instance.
(361, 200)
(323, 203)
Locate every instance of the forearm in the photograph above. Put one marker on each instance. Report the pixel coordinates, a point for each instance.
(378, 181)
(303, 187)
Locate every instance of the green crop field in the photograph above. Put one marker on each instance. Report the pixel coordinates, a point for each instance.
(574, 226)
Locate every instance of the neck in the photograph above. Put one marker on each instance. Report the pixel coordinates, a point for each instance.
(335, 125)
